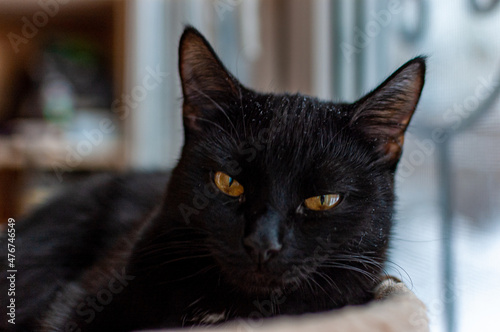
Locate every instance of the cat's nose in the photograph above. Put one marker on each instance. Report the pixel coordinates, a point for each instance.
(261, 251)
(262, 237)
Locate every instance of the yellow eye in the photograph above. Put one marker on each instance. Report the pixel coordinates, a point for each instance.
(322, 202)
(228, 185)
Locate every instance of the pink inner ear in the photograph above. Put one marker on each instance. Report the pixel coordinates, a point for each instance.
(189, 116)
(393, 148)
(384, 114)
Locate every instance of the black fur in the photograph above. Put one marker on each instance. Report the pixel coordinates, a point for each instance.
(115, 254)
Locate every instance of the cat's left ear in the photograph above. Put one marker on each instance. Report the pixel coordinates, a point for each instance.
(207, 86)
(383, 115)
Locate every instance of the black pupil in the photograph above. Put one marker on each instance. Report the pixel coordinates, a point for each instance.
(230, 181)
(322, 199)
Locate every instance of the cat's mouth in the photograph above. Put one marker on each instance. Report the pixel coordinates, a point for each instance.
(260, 280)
(260, 283)
(257, 278)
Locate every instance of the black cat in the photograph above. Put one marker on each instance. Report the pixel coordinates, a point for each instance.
(280, 204)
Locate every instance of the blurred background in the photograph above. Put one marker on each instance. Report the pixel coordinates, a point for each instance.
(91, 86)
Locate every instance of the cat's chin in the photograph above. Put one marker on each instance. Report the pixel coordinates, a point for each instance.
(262, 283)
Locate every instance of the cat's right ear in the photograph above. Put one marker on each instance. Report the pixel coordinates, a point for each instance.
(207, 86)
(383, 115)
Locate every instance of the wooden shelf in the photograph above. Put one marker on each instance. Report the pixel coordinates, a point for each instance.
(25, 26)
(18, 153)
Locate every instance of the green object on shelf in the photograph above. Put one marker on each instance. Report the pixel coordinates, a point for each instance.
(58, 103)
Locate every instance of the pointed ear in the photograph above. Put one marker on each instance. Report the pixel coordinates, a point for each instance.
(383, 115)
(206, 84)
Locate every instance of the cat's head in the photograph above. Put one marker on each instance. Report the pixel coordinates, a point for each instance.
(288, 188)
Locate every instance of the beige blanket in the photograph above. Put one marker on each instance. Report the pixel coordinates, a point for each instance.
(396, 309)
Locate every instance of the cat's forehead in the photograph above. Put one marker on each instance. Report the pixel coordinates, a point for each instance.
(275, 136)
(286, 114)
(283, 133)
(293, 121)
